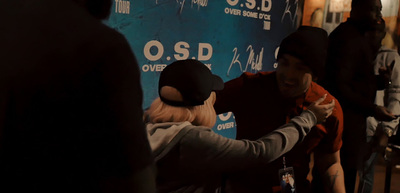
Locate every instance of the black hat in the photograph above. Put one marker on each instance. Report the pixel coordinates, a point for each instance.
(310, 45)
(192, 79)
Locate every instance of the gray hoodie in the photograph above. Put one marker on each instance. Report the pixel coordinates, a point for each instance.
(193, 158)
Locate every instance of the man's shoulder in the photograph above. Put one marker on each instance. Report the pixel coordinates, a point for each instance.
(316, 91)
(332, 129)
(257, 80)
(345, 30)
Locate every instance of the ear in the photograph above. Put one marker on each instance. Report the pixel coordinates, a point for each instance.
(171, 93)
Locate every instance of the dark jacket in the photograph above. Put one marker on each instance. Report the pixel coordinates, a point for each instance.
(350, 78)
(350, 70)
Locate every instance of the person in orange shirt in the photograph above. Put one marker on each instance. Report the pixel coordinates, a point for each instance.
(270, 99)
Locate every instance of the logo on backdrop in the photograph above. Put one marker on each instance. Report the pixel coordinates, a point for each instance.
(251, 9)
(276, 57)
(226, 125)
(253, 62)
(193, 3)
(290, 11)
(154, 51)
(122, 7)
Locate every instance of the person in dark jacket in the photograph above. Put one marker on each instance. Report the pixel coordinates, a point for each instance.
(189, 156)
(71, 101)
(350, 77)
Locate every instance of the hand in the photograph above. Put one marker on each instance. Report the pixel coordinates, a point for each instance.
(322, 112)
(381, 140)
(383, 114)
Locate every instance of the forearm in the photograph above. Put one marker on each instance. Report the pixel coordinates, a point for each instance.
(334, 179)
(213, 151)
(304, 123)
(328, 165)
(392, 103)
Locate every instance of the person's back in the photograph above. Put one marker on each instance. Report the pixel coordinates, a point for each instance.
(70, 100)
(356, 62)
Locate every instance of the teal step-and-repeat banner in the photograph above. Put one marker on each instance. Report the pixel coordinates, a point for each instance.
(229, 36)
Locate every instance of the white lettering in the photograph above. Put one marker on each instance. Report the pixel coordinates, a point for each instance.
(267, 25)
(208, 66)
(288, 11)
(264, 7)
(232, 2)
(149, 45)
(254, 60)
(181, 48)
(250, 14)
(160, 67)
(200, 3)
(224, 117)
(154, 50)
(233, 11)
(225, 126)
(264, 16)
(276, 56)
(145, 68)
(257, 63)
(235, 60)
(122, 6)
(209, 49)
(251, 4)
(153, 67)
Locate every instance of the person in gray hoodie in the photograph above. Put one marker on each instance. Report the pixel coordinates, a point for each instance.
(189, 156)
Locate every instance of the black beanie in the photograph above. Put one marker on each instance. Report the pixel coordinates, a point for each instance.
(310, 45)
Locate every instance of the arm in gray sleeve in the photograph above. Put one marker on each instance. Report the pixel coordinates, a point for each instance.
(392, 93)
(394, 107)
(212, 152)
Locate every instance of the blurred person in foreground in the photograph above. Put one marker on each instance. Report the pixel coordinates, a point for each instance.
(270, 99)
(350, 77)
(71, 101)
(192, 158)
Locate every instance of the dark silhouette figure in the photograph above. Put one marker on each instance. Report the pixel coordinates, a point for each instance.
(350, 77)
(71, 101)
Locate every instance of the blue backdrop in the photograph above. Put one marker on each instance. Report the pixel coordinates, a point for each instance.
(229, 36)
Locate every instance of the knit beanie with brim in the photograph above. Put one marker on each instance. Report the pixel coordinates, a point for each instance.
(310, 45)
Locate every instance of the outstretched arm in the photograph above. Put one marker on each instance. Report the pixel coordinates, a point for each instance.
(209, 150)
